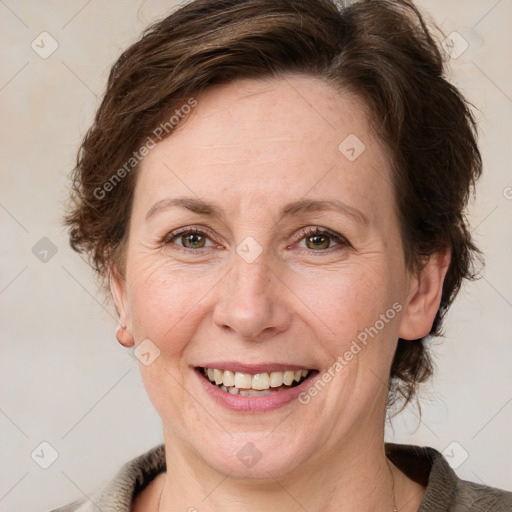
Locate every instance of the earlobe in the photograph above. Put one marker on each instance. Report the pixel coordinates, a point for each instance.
(124, 337)
(118, 289)
(425, 297)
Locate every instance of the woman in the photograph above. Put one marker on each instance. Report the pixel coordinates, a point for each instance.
(275, 194)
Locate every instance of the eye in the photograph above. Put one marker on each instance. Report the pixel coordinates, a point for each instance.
(318, 239)
(191, 238)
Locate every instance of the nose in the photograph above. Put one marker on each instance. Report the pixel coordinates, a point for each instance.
(252, 301)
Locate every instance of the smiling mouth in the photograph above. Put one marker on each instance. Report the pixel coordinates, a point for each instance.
(259, 384)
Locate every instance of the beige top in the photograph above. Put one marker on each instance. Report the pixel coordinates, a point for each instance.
(445, 491)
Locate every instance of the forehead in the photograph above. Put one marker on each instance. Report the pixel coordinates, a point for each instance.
(252, 142)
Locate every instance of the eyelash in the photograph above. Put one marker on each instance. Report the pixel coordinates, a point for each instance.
(303, 233)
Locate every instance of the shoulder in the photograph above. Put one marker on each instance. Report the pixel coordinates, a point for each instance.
(445, 491)
(117, 494)
(470, 496)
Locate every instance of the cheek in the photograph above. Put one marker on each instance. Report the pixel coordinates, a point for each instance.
(164, 300)
(165, 303)
(345, 301)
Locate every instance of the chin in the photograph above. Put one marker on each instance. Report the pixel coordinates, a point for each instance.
(255, 455)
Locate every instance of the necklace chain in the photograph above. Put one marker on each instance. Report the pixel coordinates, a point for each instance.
(395, 508)
(160, 499)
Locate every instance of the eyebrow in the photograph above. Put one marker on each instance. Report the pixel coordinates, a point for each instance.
(302, 206)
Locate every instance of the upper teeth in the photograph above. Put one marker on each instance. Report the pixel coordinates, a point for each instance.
(259, 381)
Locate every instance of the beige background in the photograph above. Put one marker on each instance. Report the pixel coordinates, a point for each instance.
(64, 378)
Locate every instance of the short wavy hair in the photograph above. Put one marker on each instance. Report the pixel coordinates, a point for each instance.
(380, 50)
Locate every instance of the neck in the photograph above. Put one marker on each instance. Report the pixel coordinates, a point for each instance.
(354, 476)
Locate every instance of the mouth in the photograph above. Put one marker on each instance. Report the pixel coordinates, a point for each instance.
(246, 384)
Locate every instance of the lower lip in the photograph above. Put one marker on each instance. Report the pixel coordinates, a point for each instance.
(253, 403)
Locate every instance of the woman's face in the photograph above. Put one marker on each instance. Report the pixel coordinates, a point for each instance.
(253, 292)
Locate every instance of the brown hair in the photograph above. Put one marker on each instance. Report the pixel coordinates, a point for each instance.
(378, 49)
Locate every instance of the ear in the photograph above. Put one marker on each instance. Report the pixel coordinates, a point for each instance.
(118, 289)
(425, 292)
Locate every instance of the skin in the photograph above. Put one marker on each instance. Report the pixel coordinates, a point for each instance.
(251, 147)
